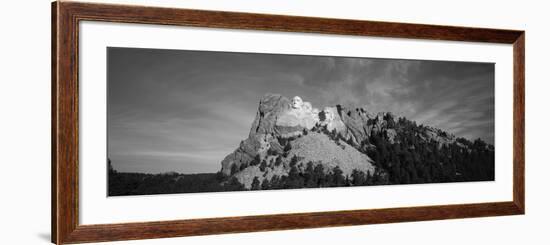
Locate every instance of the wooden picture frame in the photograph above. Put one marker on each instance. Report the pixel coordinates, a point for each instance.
(65, 122)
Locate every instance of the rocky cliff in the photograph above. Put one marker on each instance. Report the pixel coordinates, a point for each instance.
(291, 135)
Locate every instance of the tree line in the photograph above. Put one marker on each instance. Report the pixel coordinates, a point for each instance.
(408, 157)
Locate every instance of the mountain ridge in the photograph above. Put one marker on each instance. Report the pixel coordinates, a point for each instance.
(350, 138)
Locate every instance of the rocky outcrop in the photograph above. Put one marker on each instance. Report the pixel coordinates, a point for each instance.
(316, 148)
(361, 124)
(320, 149)
(277, 117)
(332, 120)
(334, 137)
(262, 133)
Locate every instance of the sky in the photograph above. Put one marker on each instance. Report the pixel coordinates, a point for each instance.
(184, 111)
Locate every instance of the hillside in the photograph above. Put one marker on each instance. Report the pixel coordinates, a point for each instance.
(287, 136)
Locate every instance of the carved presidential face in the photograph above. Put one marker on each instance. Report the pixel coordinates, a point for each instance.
(297, 102)
(328, 114)
(315, 113)
(307, 106)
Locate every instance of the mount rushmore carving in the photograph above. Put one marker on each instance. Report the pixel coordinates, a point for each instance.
(290, 135)
(302, 114)
(279, 117)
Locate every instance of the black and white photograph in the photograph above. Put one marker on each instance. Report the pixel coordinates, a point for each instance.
(262, 122)
(181, 121)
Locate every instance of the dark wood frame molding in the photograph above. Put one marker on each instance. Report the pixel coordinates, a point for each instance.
(65, 121)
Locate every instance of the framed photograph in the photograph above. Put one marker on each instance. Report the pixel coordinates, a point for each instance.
(175, 122)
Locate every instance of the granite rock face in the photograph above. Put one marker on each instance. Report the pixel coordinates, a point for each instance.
(316, 148)
(336, 136)
(262, 133)
(277, 117)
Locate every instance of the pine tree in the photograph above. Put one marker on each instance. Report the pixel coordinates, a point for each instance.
(319, 174)
(288, 147)
(309, 176)
(234, 169)
(358, 178)
(265, 184)
(278, 161)
(293, 161)
(337, 177)
(255, 184)
(256, 160)
(263, 165)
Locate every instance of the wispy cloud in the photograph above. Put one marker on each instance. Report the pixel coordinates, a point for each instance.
(185, 110)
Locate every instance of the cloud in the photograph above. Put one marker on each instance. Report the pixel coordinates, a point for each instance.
(186, 110)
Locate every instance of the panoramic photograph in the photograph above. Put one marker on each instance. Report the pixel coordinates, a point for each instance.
(182, 121)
